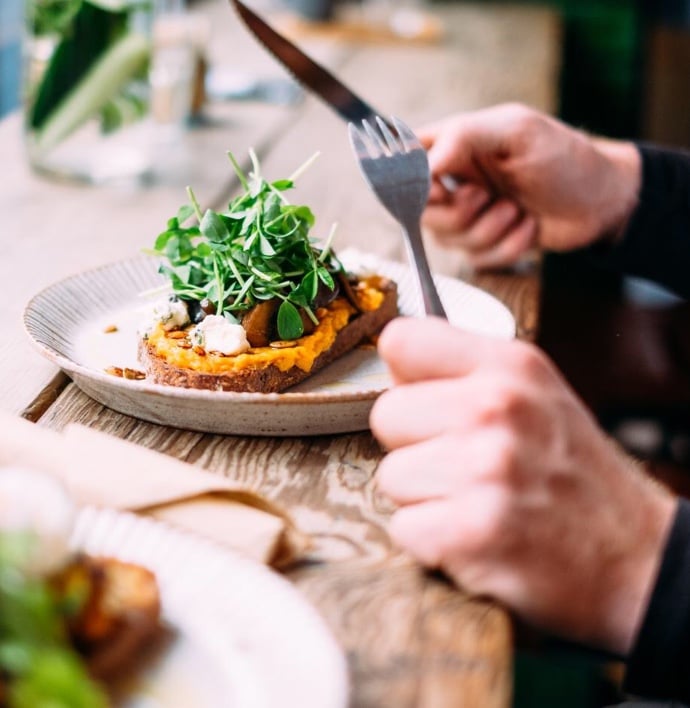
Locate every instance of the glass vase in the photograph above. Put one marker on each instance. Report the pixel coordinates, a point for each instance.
(86, 88)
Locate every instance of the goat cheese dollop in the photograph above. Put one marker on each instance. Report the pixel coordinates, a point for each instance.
(216, 334)
(171, 313)
(34, 503)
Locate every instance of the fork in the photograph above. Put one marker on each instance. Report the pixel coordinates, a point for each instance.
(396, 168)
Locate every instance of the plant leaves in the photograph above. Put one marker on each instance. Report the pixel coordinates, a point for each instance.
(184, 212)
(265, 246)
(289, 321)
(213, 227)
(326, 278)
(256, 250)
(283, 184)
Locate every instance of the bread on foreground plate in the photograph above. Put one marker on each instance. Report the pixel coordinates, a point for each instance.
(121, 614)
(169, 358)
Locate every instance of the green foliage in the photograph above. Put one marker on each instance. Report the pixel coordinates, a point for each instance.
(85, 31)
(256, 250)
(44, 670)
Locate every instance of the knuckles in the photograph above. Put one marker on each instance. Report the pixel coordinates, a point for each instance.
(527, 361)
(526, 123)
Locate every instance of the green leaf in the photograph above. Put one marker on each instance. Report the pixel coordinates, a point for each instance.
(213, 227)
(162, 239)
(265, 247)
(248, 221)
(305, 214)
(310, 285)
(289, 321)
(182, 273)
(184, 212)
(326, 278)
(178, 247)
(283, 184)
(212, 292)
(203, 250)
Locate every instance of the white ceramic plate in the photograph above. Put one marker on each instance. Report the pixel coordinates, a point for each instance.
(67, 321)
(241, 635)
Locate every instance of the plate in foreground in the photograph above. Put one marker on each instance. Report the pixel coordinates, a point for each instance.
(240, 635)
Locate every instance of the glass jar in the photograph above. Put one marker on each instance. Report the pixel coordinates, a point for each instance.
(86, 88)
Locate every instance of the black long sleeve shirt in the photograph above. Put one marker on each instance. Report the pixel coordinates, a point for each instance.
(656, 246)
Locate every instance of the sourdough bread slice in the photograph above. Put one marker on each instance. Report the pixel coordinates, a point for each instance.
(266, 377)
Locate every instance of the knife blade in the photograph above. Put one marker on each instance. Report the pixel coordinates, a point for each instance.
(332, 91)
(345, 102)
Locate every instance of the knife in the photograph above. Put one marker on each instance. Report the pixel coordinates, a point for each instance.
(332, 91)
(345, 102)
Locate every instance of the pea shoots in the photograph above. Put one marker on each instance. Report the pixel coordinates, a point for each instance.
(257, 250)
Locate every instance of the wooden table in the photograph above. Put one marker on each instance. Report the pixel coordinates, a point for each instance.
(411, 639)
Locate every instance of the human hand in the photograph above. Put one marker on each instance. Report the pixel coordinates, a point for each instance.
(505, 482)
(525, 179)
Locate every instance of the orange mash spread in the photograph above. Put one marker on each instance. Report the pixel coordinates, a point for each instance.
(301, 352)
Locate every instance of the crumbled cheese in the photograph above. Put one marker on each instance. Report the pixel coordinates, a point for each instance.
(34, 503)
(170, 312)
(216, 334)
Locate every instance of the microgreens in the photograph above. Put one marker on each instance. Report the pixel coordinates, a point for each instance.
(35, 651)
(256, 250)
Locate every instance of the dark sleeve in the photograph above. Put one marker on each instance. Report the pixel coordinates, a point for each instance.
(659, 663)
(656, 244)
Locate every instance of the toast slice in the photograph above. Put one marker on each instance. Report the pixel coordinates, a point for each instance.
(169, 358)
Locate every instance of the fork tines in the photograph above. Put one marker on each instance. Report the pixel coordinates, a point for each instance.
(383, 141)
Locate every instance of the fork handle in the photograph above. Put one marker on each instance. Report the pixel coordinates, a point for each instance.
(415, 251)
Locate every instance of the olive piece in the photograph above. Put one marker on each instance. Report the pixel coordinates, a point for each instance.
(196, 314)
(198, 309)
(324, 295)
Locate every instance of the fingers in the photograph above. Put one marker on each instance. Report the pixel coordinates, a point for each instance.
(458, 145)
(430, 348)
(443, 466)
(472, 225)
(508, 248)
(448, 532)
(452, 213)
(409, 414)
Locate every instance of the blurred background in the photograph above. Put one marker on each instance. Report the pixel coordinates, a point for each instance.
(624, 70)
(623, 343)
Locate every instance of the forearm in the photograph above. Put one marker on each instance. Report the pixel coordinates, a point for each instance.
(659, 662)
(655, 242)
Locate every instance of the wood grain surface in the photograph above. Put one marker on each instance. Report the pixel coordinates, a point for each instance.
(410, 637)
